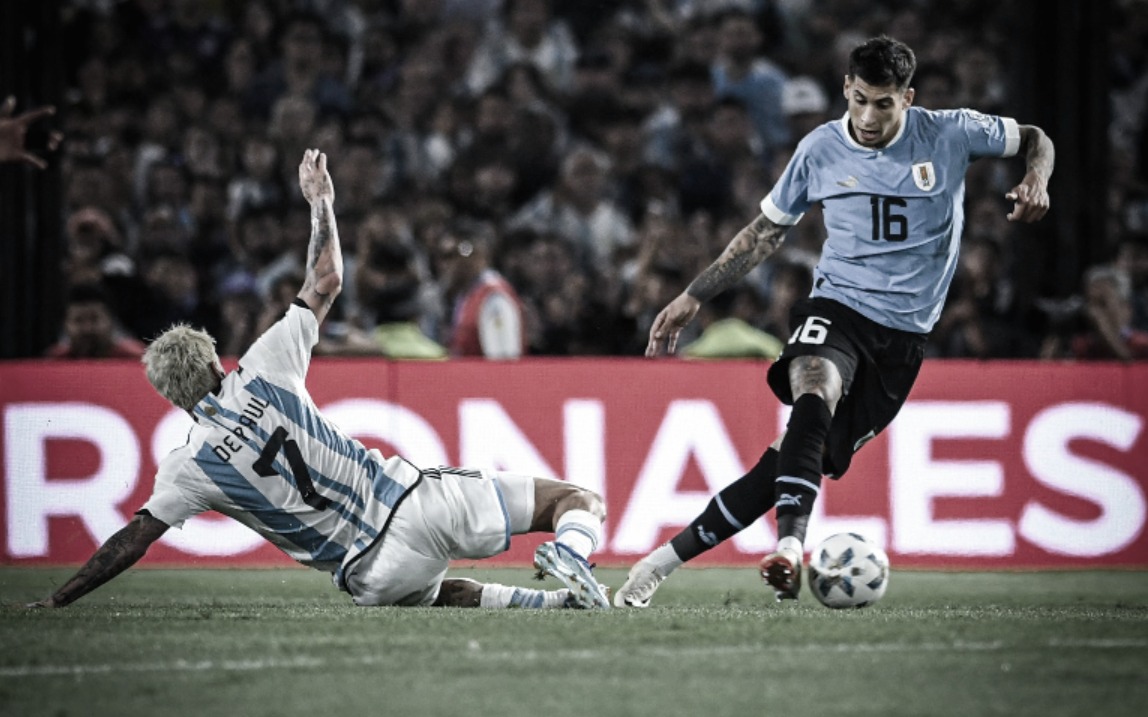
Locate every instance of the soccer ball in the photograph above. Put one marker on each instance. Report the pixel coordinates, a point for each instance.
(846, 570)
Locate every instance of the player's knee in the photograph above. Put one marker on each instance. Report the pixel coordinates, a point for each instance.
(817, 376)
(583, 499)
(555, 497)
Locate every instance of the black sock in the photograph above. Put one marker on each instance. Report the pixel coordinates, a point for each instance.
(799, 465)
(729, 512)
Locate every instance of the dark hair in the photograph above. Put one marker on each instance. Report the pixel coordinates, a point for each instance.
(88, 293)
(301, 17)
(391, 256)
(726, 100)
(688, 71)
(882, 61)
(478, 232)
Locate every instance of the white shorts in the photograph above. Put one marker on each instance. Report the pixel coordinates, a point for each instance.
(453, 513)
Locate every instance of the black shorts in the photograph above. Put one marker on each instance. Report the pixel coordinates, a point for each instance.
(878, 367)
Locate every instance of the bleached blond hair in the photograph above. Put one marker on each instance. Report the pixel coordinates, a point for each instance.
(180, 365)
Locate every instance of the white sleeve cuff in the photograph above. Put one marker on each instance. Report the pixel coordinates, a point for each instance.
(1012, 136)
(775, 215)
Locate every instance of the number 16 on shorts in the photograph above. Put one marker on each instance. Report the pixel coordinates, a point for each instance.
(813, 331)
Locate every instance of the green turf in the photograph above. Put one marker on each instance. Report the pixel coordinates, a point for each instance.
(199, 642)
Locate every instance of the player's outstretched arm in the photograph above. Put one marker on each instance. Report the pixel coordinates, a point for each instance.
(1030, 197)
(324, 279)
(749, 247)
(14, 130)
(117, 554)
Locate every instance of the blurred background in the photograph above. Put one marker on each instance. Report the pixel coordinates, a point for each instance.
(583, 158)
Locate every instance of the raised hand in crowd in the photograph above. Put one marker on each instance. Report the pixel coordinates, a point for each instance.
(14, 132)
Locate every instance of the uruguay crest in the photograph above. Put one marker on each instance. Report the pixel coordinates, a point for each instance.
(924, 176)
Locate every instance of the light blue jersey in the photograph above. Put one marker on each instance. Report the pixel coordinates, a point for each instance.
(894, 215)
(260, 452)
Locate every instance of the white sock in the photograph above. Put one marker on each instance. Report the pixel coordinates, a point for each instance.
(579, 530)
(792, 543)
(508, 596)
(664, 559)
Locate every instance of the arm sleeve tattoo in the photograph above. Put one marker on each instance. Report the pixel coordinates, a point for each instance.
(749, 247)
(321, 230)
(116, 555)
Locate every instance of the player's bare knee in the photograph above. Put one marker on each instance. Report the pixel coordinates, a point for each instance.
(552, 498)
(816, 375)
(583, 499)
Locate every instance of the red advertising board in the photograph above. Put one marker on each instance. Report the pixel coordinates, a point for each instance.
(990, 465)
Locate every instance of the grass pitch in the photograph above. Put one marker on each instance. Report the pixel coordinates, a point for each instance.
(284, 643)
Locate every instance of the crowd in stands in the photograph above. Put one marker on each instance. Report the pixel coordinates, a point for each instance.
(525, 177)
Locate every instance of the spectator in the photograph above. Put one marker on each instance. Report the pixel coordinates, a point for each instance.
(91, 330)
(172, 291)
(359, 172)
(388, 87)
(525, 31)
(393, 301)
(981, 318)
(1108, 310)
(293, 121)
(978, 79)
(416, 149)
(740, 70)
(936, 86)
(1132, 259)
(707, 171)
(486, 313)
(554, 287)
(239, 307)
(203, 154)
(95, 248)
(387, 260)
(258, 251)
(164, 229)
(619, 133)
(239, 68)
(580, 210)
(299, 71)
(728, 331)
(672, 127)
(493, 184)
(804, 104)
(649, 289)
(789, 282)
(208, 206)
(536, 146)
(160, 142)
(595, 78)
(225, 118)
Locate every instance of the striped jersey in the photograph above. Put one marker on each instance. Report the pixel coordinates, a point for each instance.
(893, 215)
(260, 452)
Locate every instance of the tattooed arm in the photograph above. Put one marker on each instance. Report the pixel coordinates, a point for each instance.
(119, 553)
(324, 278)
(1030, 197)
(756, 241)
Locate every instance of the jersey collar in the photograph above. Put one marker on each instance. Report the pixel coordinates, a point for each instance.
(856, 145)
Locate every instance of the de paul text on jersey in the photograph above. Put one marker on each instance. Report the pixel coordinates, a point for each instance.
(231, 445)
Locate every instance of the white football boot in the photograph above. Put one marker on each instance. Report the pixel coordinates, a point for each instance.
(640, 585)
(554, 558)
